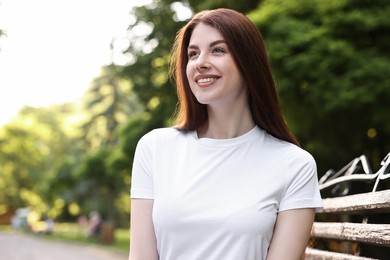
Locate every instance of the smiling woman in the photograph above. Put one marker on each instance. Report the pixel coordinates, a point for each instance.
(228, 181)
(53, 49)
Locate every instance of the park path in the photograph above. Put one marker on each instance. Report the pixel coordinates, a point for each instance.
(17, 246)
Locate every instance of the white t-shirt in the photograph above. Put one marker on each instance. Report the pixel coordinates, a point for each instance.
(217, 199)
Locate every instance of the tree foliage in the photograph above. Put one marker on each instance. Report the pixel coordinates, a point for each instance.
(30, 148)
(331, 60)
(242, 6)
(151, 51)
(108, 102)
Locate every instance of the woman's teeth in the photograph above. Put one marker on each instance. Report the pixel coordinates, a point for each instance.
(205, 80)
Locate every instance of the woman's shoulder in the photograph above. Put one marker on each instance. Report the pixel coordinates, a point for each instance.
(289, 151)
(164, 132)
(160, 134)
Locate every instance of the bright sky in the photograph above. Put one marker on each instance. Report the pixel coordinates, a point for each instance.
(54, 48)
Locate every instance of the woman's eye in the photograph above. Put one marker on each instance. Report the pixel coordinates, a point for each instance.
(218, 50)
(192, 54)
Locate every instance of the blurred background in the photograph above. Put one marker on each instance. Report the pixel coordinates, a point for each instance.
(82, 81)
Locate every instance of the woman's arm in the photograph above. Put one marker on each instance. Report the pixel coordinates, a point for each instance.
(291, 234)
(142, 235)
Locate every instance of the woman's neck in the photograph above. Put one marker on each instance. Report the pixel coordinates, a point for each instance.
(231, 122)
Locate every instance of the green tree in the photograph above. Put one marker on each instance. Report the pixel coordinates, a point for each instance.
(331, 60)
(30, 148)
(242, 6)
(20, 164)
(151, 51)
(108, 102)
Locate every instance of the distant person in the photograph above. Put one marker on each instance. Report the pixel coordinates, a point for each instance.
(229, 180)
(82, 222)
(20, 219)
(49, 226)
(94, 224)
(15, 222)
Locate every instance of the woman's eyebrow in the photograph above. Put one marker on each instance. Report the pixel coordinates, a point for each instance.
(217, 42)
(193, 46)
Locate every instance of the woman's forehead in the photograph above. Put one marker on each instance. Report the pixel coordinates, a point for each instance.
(203, 33)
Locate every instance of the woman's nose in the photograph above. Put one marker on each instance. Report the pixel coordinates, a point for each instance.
(202, 63)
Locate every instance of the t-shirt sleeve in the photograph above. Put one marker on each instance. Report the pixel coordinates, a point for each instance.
(301, 183)
(142, 173)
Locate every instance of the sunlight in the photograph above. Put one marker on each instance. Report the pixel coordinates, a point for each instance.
(53, 49)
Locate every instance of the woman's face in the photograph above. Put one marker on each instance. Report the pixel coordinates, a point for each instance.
(211, 71)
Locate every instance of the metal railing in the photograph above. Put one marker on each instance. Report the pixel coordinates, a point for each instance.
(356, 170)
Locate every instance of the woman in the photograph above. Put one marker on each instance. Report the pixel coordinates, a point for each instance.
(229, 181)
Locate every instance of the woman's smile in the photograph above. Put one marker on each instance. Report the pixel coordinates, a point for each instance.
(206, 80)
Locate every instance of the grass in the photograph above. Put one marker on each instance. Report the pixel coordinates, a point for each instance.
(70, 232)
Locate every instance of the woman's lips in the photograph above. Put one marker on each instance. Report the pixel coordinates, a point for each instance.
(206, 80)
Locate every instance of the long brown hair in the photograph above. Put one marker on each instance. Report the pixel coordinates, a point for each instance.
(248, 50)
